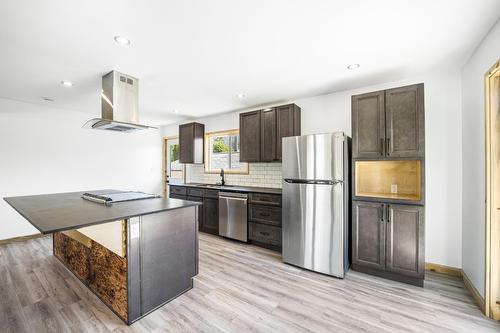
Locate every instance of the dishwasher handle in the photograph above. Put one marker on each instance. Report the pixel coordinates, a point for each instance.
(233, 196)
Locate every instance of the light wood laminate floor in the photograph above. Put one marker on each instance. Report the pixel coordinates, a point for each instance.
(240, 288)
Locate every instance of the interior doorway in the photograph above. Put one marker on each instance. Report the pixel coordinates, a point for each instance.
(492, 276)
(173, 170)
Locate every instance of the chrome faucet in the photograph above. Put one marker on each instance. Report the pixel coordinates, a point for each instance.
(222, 181)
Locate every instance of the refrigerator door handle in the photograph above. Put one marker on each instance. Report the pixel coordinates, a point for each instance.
(313, 182)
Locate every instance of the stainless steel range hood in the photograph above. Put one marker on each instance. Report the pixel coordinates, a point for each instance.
(119, 104)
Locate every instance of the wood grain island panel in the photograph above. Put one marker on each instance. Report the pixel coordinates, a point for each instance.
(99, 268)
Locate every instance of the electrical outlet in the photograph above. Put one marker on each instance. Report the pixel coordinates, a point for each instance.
(394, 188)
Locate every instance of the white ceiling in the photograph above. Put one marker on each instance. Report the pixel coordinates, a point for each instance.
(195, 56)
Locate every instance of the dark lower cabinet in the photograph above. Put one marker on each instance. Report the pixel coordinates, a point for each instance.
(368, 235)
(388, 241)
(177, 196)
(210, 216)
(264, 214)
(264, 220)
(265, 234)
(405, 240)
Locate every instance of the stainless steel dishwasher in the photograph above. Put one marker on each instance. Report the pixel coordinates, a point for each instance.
(233, 215)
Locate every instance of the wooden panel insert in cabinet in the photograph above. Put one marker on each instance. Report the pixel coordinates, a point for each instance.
(100, 269)
(389, 179)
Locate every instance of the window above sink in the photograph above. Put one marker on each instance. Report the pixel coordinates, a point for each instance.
(222, 150)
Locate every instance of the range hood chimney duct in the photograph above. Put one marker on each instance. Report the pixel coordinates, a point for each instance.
(119, 104)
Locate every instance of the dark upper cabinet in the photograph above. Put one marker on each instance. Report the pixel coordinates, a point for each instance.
(368, 125)
(405, 240)
(191, 143)
(268, 135)
(210, 216)
(250, 136)
(288, 124)
(404, 114)
(261, 132)
(389, 123)
(368, 230)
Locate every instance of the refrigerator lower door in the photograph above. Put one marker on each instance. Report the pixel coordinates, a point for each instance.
(314, 227)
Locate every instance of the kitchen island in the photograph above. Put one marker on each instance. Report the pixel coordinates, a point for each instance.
(135, 256)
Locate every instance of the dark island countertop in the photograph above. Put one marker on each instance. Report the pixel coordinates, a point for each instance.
(230, 188)
(65, 211)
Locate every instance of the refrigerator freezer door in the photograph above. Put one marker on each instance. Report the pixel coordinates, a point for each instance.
(314, 227)
(314, 157)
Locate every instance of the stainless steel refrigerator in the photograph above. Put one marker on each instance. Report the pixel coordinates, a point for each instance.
(316, 202)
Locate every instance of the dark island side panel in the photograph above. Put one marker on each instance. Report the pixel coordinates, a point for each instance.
(103, 271)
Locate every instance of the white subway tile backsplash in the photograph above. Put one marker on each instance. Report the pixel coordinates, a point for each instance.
(260, 174)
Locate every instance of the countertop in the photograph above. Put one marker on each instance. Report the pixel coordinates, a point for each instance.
(231, 188)
(65, 211)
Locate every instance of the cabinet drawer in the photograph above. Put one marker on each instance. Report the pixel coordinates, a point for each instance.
(265, 233)
(211, 194)
(179, 190)
(265, 199)
(177, 196)
(195, 192)
(197, 199)
(265, 214)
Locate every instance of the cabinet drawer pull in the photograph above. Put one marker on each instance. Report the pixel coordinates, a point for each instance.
(264, 233)
(265, 214)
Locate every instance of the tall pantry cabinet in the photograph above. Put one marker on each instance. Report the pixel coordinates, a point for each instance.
(388, 183)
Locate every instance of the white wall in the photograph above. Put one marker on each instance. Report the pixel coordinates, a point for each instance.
(473, 150)
(45, 150)
(332, 112)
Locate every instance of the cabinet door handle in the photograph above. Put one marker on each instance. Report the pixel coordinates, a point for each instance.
(381, 213)
(388, 151)
(264, 233)
(381, 146)
(388, 214)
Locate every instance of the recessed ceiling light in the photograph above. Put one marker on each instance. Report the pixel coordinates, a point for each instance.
(353, 66)
(67, 83)
(241, 95)
(175, 111)
(48, 99)
(122, 40)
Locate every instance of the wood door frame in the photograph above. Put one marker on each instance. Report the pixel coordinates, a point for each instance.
(492, 254)
(164, 162)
